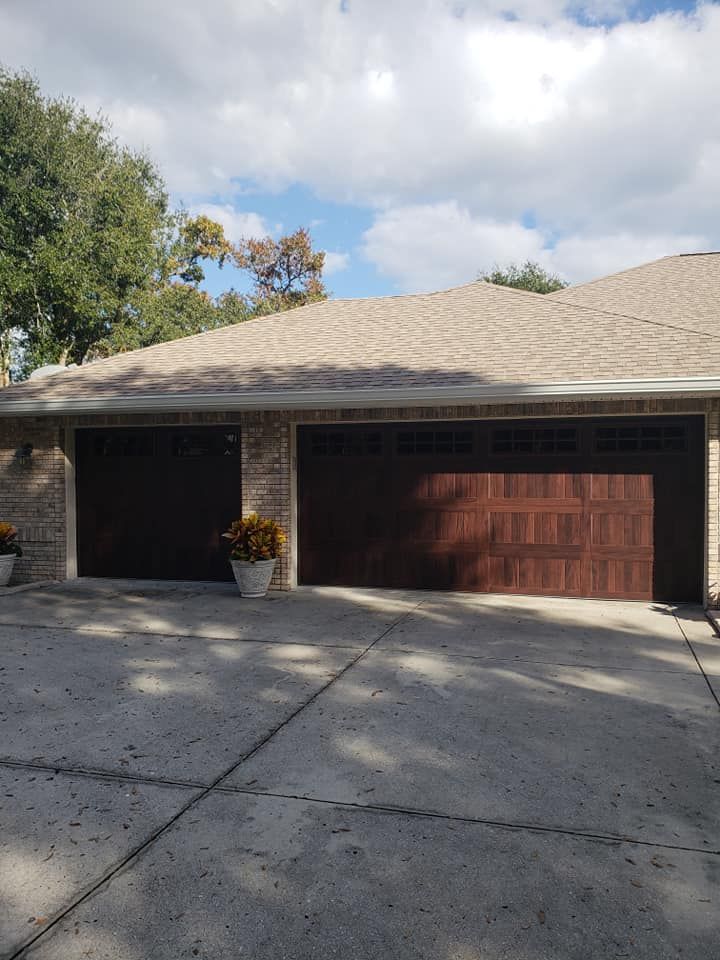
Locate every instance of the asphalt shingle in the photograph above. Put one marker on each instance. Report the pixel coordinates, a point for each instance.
(472, 334)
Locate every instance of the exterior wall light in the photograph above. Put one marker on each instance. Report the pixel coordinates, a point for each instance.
(23, 454)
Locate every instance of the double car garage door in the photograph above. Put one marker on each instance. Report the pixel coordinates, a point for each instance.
(596, 508)
(606, 508)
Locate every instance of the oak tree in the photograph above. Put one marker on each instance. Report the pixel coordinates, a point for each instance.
(526, 276)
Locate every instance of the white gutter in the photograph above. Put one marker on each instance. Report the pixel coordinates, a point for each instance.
(458, 395)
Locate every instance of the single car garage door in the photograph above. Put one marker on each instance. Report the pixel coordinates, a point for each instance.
(592, 508)
(153, 502)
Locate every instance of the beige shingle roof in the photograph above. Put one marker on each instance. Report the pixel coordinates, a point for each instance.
(682, 290)
(477, 333)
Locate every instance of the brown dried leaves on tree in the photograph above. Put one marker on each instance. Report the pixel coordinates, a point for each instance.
(285, 273)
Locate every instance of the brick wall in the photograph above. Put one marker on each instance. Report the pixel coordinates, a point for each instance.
(266, 480)
(34, 498)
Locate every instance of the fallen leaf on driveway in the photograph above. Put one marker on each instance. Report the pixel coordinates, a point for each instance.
(541, 916)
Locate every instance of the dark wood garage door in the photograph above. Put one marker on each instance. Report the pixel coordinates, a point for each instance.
(153, 502)
(602, 508)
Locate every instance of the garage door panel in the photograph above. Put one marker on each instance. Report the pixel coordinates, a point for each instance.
(622, 530)
(502, 574)
(541, 575)
(448, 486)
(461, 526)
(435, 486)
(606, 508)
(621, 486)
(440, 568)
(555, 486)
(536, 527)
(630, 579)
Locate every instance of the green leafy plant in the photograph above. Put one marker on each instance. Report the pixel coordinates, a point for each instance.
(8, 546)
(255, 538)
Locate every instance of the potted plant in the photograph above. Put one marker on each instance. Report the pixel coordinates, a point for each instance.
(256, 543)
(9, 551)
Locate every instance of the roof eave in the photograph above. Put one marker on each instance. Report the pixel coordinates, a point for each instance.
(421, 396)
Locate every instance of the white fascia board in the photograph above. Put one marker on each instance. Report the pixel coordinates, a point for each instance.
(458, 395)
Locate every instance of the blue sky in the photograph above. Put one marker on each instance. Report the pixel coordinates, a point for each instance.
(421, 141)
(334, 226)
(641, 10)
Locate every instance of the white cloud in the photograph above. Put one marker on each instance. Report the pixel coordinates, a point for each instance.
(581, 258)
(429, 247)
(439, 245)
(236, 224)
(335, 262)
(443, 107)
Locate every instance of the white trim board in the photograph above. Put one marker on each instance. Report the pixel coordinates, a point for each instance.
(421, 396)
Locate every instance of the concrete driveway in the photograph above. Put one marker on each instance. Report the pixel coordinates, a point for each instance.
(355, 774)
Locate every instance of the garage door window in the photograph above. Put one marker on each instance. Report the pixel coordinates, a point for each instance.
(648, 438)
(535, 440)
(340, 443)
(117, 444)
(206, 444)
(430, 442)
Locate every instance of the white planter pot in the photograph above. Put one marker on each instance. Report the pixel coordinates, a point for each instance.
(6, 568)
(253, 579)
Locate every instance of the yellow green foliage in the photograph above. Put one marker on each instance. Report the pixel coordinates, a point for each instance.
(255, 538)
(7, 539)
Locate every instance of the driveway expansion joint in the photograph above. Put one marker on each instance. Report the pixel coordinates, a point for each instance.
(479, 821)
(201, 795)
(547, 663)
(106, 876)
(709, 685)
(92, 773)
(109, 631)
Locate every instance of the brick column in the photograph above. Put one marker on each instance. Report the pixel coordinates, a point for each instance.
(266, 480)
(32, 496)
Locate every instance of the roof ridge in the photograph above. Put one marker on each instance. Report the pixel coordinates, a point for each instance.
(609, 276)
(317, 304)
(639, 266)
(201, 333)
(631, 316)
(506, 288)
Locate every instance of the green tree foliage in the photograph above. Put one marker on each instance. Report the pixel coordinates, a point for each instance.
(92, 260)
(170, 304)
(526, 276)
(79, 218)
(172, 311)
